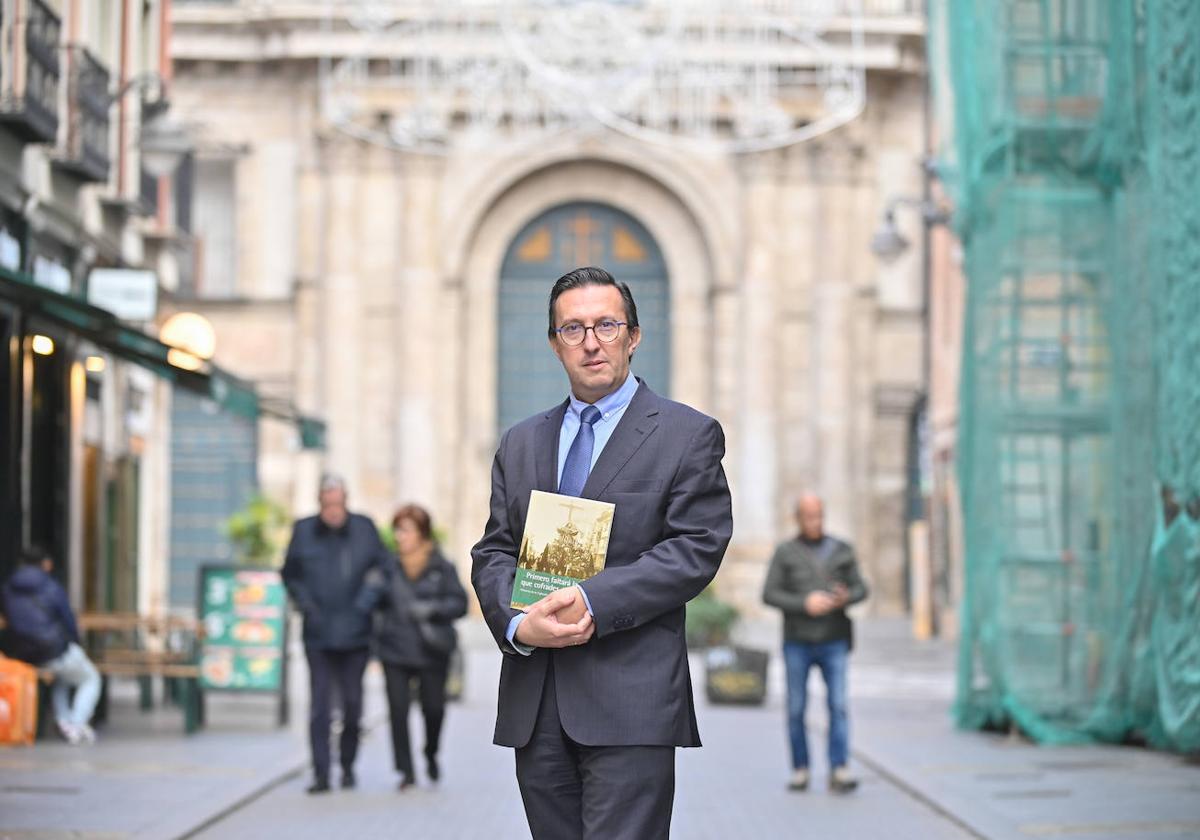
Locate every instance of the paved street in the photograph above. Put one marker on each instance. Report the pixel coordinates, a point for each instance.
(242, 778)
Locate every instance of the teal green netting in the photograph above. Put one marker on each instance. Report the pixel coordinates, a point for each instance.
(1073, 154)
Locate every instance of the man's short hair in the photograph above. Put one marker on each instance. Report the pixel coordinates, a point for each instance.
(35, 557)
(332, 481)
(592, 276)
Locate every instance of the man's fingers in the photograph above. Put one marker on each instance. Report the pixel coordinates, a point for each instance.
(565, 631)
(555, 600)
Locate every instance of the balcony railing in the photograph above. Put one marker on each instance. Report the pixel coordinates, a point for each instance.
(29, 89)
(88, 101)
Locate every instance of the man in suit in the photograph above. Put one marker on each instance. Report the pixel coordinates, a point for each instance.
(595, 692)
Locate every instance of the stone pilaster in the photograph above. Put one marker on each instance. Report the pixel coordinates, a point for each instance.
(423, 335)
(340, 313)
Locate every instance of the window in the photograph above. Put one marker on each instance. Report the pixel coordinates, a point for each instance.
(214, 221)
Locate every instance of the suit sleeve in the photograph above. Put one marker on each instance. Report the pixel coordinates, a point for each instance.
(698, 524)
(494, 558)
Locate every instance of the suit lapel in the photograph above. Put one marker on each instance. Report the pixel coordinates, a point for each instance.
(545, 447)
(637, 423)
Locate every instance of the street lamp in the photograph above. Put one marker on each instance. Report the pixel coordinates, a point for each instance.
(163, 141)
(888, 243)
(191, 338)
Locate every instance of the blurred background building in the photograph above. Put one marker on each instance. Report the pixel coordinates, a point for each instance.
(94, 240)
(937, 264)
(1068, 142)
(383, 192)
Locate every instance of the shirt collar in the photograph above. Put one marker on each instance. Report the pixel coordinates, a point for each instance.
(611, 404)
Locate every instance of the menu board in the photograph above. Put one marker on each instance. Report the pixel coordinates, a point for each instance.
(244, 614)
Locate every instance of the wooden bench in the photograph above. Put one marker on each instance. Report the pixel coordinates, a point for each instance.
(178, 669)
(130, 645)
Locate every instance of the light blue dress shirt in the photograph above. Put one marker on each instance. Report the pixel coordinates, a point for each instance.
(612, 409)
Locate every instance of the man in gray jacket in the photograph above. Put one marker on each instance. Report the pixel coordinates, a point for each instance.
(813, 578)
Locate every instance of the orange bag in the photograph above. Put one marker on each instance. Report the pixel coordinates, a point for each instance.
(18, 702)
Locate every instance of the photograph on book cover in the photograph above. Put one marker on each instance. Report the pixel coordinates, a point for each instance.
(565, 541)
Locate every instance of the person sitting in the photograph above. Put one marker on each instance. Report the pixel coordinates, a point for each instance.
(42, 632)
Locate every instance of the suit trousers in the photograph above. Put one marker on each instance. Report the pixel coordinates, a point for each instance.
(576, 792)
(327, 668)
(432, 692)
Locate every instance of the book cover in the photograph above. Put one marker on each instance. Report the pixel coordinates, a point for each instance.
(565, 541)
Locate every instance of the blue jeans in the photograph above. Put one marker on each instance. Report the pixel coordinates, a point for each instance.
(73, 670)
(831, 658)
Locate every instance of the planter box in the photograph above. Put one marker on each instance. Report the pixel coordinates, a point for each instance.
(736, 675)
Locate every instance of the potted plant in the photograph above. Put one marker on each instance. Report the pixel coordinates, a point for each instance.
(709, 620)
(733, 674)
(258, 531)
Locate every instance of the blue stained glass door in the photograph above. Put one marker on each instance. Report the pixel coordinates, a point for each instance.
(559, 240)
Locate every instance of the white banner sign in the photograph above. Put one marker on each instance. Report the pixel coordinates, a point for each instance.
(130, 294)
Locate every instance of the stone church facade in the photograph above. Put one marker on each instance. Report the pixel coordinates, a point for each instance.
(401, 294)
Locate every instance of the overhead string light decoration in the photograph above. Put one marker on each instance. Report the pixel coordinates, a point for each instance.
(714, 75)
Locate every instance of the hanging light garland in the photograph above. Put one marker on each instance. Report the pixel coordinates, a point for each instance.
(715, 75)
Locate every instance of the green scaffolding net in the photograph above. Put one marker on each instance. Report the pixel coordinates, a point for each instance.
(1072, 156)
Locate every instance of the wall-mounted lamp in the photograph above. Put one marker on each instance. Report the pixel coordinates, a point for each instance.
(43, 345)
(94, 364)
(183, 359)
(163, 141)
(192, 340)
(888, 243)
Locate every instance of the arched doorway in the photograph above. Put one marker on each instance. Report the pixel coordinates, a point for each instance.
(529, 377)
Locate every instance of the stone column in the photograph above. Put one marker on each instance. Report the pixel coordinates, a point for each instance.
(384, 325)
(339, 316)
(423, 336)
(754, 504)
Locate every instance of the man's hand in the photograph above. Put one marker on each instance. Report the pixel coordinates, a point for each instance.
(820, 602)
(574, 612)
(841, 595)
(543, 626)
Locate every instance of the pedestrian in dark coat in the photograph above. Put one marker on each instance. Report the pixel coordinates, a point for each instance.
(414, 636)
(328, 562)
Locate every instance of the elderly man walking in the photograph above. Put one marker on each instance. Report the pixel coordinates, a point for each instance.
(813, 577)
(326, 574)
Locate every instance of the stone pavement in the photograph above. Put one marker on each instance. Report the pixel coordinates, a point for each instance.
(243, 778)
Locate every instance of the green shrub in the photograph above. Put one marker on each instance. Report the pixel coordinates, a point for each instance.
(709, 620)
(258, 531)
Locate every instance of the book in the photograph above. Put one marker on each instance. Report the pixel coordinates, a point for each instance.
(565, 541)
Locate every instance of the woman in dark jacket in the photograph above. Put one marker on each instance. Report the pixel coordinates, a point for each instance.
(415, 634)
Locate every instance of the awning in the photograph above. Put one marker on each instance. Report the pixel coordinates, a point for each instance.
(102, 328)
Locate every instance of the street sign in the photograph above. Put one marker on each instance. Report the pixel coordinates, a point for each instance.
(244, 615)
(130, 294)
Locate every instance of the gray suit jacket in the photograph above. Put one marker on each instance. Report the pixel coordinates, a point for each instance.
(630, 684)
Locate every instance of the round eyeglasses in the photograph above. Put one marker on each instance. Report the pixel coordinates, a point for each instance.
(573, 334)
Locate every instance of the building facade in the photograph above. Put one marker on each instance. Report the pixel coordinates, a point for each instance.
(83, 397)
(398, 288)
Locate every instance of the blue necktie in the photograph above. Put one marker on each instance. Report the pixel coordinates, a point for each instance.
(579, 456)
